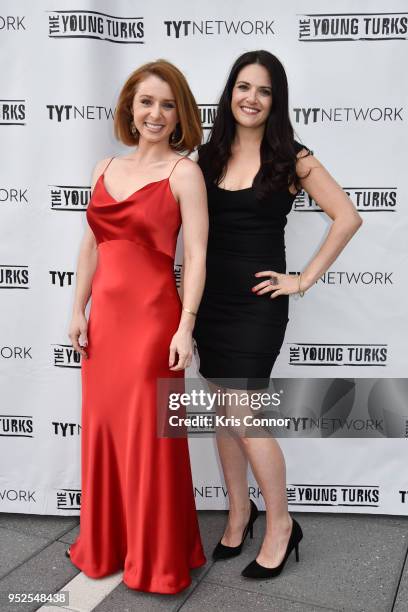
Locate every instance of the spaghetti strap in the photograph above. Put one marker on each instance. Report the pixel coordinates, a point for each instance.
(179, 160)
(104, 170)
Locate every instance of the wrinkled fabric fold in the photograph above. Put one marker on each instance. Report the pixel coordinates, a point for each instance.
(137, 508)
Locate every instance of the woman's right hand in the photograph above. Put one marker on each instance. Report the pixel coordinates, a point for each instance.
(78, 333)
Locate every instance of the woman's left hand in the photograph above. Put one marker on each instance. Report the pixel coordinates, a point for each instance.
(182, 345)
(277, 284)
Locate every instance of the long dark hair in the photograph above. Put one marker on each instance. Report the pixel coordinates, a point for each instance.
(278, 151)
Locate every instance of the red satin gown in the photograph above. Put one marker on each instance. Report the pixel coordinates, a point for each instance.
(137, 504)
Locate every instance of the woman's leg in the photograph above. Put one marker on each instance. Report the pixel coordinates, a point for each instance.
(235, 468)
(269, 469)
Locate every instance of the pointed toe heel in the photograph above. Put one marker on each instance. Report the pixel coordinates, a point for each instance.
(256, 570)
(226, 552)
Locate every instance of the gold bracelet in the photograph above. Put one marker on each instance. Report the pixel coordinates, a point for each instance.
(301, 293)
(190, 311)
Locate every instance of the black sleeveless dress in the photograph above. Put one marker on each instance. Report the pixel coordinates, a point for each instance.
(239, 334)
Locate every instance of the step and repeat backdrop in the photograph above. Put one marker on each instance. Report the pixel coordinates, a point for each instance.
(63, 64)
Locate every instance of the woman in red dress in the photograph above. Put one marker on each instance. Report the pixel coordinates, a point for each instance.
(137, 509)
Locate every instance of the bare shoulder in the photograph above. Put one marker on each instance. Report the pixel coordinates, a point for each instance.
(187, 180)
(187, 169)
(99, 168)
(306, 161)
(187, 177)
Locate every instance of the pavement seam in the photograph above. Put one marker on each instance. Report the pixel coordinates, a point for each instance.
(273, 595)
(404, 563)
(24, 533)
(198, 582)
(16, 567)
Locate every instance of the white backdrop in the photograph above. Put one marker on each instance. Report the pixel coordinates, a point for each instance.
(59, 85)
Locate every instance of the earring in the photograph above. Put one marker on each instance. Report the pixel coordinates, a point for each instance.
(133, 128)
(176, 135)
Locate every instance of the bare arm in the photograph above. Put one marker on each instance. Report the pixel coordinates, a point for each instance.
(86, 266)
(331, 198)
(189, 189)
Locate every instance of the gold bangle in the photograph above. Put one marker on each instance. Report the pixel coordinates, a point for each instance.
(190, 311)
(301, 293)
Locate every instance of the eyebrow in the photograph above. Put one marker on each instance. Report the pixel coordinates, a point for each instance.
(260, 86)
(164, 99)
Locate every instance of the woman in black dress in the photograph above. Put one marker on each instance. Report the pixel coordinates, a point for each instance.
(254, 169)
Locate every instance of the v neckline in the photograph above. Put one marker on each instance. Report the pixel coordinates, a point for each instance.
(102, 180)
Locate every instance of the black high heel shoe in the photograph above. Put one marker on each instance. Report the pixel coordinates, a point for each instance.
(255, 570)
(225, 552)
(67, 552)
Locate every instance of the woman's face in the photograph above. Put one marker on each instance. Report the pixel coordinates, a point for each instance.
(251, 100)
(154, 109)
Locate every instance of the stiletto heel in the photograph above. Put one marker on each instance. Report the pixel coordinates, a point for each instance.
(256, 570)
(225, 552)
(67, 552)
